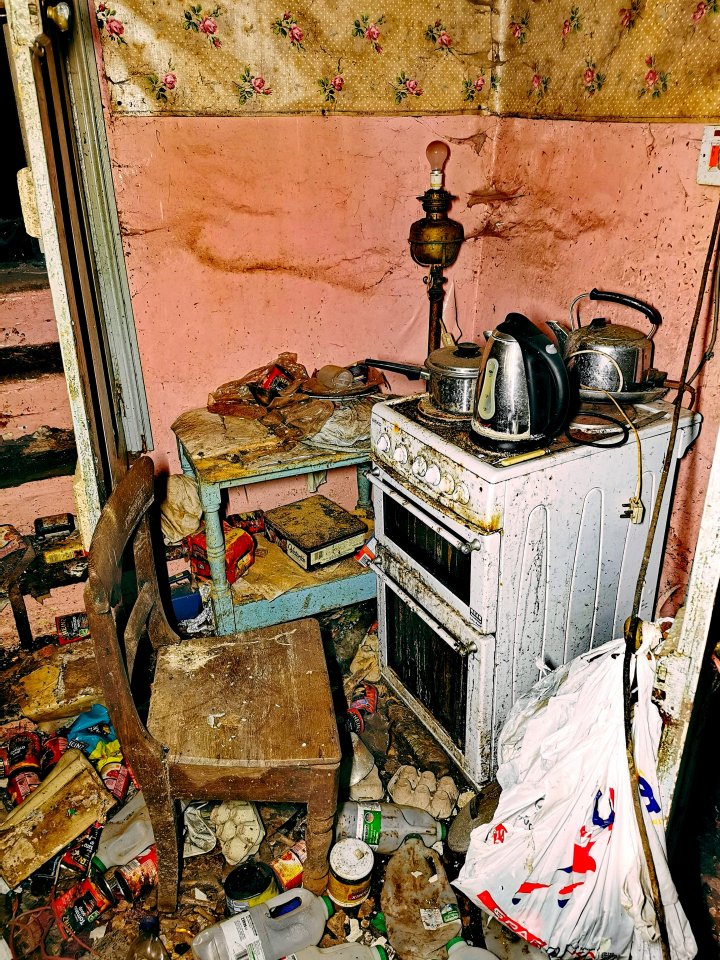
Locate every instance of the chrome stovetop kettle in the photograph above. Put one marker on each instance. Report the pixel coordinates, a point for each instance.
(522, 396)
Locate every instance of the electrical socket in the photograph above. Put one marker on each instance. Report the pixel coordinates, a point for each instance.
(708, 171)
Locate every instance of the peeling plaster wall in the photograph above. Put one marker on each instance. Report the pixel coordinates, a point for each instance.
(247, 236)
(614, 206)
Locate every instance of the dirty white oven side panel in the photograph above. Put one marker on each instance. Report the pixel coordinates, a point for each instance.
(569, 560)
(448, 664)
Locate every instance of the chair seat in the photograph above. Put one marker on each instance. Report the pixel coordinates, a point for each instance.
(263, 695)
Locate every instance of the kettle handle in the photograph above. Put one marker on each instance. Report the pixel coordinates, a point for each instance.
(633, 303)
(537, 355)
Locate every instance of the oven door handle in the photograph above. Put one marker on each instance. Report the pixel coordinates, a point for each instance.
(462, 545)
(463, 647)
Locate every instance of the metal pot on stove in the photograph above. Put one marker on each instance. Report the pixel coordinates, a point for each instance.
(608, 356)
(451, 374)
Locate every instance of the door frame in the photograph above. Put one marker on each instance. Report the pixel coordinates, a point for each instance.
(114, 323)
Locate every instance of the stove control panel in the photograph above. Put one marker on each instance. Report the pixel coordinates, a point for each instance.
(437, 475)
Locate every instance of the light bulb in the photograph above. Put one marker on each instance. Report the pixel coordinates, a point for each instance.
(437, 153)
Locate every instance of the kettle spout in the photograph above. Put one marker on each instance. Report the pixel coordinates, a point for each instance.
(561, 335)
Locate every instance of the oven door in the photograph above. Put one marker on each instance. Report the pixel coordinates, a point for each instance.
(443, 672)
(459, 563)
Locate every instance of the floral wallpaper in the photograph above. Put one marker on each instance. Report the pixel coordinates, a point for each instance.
(614, 59)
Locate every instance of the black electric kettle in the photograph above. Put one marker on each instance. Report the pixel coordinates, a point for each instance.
(522, 395)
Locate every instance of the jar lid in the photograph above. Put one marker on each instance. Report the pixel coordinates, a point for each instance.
(351, 859)
(461, 360)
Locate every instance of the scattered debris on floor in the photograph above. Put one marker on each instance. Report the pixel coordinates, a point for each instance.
(77, 851)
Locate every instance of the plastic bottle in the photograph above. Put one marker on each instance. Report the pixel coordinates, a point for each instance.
(420, 906)
(384, 826)
(148, 945)
(459, 950)
(343, 951)
(124, 836)
(291, 921)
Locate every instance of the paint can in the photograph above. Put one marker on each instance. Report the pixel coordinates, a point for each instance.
(289, 867)
(351, 865)
(140, 873)
(250, 883)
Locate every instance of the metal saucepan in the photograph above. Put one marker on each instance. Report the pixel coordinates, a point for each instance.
(451, 373)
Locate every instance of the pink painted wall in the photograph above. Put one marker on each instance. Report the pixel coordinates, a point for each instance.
(26, 317)
(245, 237)
(248, 236)
(614, 206)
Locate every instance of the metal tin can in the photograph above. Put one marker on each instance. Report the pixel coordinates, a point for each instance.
(251, 883)
(135, 877)
(351, 865)
(289, 867)
(81, 904)
(55, 747)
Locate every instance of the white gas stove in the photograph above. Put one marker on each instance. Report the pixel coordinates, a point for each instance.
(488, 571)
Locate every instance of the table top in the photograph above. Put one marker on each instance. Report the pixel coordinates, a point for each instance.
(231, 451)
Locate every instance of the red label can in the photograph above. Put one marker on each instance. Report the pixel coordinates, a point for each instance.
(55, 747)
(138, 875)
(81, 905)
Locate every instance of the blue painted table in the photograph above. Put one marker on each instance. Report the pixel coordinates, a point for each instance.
(205, 445)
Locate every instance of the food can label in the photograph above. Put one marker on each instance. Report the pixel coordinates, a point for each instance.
(241, 937)
(436, 918)
(369, 823)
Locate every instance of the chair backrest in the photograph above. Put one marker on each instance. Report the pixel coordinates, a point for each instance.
(124, 520)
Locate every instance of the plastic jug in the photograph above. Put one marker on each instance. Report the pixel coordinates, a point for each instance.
(148, 945)
(385, 826)
(420, 906)
(128, 833)
(291, 921)
(459, 950)
(343, 951)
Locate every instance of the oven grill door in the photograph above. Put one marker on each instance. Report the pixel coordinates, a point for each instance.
(433, 673)
(444, 561)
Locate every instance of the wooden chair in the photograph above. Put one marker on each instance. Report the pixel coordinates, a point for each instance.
(247, 716)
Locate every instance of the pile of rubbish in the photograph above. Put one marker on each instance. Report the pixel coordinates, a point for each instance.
(78, 859)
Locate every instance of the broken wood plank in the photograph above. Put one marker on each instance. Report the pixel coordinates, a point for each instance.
(48, 452)
(63, 682)
(68, 801)
(29, 360)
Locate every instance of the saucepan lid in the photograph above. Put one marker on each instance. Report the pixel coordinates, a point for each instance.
(462, 360)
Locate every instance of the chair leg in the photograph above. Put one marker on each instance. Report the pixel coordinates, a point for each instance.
(168, 855)
(319, 832)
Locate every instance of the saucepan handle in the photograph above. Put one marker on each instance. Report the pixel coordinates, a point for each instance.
(410, 370)
(651, 313)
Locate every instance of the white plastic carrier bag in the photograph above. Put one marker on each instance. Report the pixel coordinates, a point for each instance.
(561, 863)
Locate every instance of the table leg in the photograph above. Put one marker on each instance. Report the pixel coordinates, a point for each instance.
(185, 464)
(220, 592)
(364, 501)
(22, 624)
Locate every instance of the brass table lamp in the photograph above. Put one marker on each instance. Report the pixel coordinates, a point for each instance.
(435, 240)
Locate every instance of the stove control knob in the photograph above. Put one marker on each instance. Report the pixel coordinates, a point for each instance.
(383, 443)
(447, 484)
(419, 466)
(433, 476)
(462, 494)
(400, 454)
